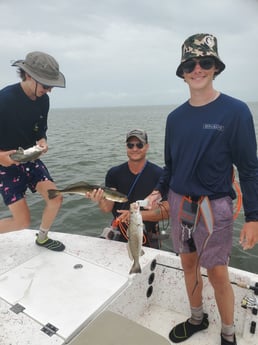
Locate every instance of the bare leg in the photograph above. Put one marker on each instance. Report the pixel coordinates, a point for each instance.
(194, 284)
(52, 206)
(223, 291)
(192, 275)
(20, 217)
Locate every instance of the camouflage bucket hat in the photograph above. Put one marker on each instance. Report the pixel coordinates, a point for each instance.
(200, 45)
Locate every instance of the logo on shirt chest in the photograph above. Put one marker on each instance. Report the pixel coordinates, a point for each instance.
(213, 126)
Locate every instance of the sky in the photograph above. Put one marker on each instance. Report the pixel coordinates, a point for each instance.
(125, 52)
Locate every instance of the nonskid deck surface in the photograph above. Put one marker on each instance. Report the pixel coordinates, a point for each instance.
(20, 257)
(161, 321)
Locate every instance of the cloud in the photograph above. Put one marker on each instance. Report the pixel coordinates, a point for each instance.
(121, 52)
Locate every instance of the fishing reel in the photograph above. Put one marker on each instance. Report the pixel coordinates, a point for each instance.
(251, 302)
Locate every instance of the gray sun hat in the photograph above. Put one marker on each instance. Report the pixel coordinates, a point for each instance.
(139, 134)
(43, 68)
(200, 45)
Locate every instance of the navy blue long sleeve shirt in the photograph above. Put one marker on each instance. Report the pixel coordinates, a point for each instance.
(23, 121)
(202, 144)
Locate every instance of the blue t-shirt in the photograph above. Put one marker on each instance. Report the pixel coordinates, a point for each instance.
(23, 121)
(202, 144)
(122, 179)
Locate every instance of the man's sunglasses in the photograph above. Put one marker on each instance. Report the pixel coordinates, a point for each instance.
(138, 145)
(46, 87)
(205, 63)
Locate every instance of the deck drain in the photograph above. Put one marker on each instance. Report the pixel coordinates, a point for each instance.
(151, 278)
(153, 265)
(149, 291)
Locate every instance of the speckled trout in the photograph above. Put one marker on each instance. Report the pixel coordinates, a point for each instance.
(135, 235)
(24, 156)
(83, 187)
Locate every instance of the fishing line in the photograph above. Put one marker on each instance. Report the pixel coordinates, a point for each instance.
(162, 211)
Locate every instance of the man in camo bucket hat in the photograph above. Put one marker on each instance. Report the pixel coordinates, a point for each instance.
(205, 138)
(200, 45)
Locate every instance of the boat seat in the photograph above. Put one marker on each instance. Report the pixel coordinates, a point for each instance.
(112, 329)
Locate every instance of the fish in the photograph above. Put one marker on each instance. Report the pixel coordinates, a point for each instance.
(82, 187)
(135, 237)
(24, 156)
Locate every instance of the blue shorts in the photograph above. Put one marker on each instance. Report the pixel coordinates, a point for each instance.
(218, 247)
(15, 180)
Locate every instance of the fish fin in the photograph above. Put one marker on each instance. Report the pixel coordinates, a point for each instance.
(129, 251)
(20, 149)
(52, 193)
(136, 268)
(142, 252)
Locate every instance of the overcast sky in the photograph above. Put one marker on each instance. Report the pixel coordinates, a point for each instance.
(125, 52)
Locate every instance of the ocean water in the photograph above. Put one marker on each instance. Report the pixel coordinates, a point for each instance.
(85, 143)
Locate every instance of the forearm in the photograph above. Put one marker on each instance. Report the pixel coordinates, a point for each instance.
(156, 214)
(106, 205)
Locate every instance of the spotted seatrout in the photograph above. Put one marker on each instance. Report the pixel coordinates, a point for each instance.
(135, 235)
(30, 154)
(82, 188)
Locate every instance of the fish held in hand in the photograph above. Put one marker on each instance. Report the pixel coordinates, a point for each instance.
(81, 188)
(135, 236)
(24, 156)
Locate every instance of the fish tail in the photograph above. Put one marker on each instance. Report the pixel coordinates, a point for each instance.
(53, 193)
(136, 268)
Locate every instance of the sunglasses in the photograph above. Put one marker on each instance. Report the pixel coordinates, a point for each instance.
(205, 63)
(46, 87)
(132, 145)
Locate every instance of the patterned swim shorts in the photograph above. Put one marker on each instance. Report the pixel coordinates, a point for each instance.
(15, 180)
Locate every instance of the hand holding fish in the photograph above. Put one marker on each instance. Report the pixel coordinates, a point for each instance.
(153, 200)
(5, 159)
(124, 216)
(95, 195)
(42, 143)
(249, 235)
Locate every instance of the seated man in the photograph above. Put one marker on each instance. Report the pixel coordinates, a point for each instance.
(135, 178)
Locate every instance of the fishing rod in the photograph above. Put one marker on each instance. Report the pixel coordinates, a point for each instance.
(239, 284)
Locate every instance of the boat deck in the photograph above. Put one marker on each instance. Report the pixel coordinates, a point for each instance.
(68, 296)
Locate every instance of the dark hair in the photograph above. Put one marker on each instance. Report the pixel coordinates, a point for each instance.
(22, 74)
(218, 65)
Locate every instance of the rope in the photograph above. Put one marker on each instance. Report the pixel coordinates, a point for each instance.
(238, 204)
(123, 229)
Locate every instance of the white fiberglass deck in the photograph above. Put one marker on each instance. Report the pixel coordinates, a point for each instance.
(60, 289)
(70, 290)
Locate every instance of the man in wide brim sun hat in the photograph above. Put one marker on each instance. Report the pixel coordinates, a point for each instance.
(43, 68)
(24, 108)
(200, 46)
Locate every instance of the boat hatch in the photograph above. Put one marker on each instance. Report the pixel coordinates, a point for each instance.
(61, 290)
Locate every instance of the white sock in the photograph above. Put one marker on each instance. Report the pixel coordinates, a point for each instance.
(228, 332)
(196, 315)
(42, 234)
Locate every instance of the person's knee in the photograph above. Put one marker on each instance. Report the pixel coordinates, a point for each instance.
(218, 276)
(189, 261)
(56, 202)
(23, 223)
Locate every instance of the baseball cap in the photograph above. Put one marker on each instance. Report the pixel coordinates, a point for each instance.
(139, 134)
